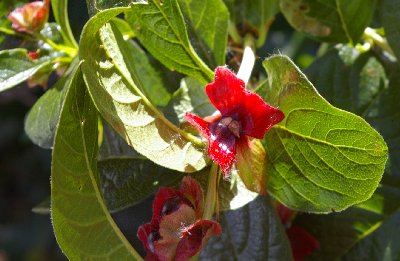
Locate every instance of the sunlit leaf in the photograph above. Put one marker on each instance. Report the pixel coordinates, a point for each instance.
(83, 226)
(116, 90)
(160, 28)
(320, 158)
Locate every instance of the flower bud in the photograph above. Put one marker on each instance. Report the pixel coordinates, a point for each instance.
(30, 17)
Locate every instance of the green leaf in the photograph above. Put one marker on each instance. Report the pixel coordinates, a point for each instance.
(42, 119)
(190, 97)
(95, 6)
(161, 30)
(60, 11)
(152, 84)
(360, 85)
(256, 14)
(321, 159)
(83, 226)
(390, 12)
(128, 181)
(113, 84)
(16, 67)
(331, 20)
(209, 20)
(381, 245)
(339, 233)
(347, 79)
(253, 232)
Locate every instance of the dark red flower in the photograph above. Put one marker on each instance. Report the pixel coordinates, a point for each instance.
(302, 242)
(242, 114)
(176, 230)
(30, 17)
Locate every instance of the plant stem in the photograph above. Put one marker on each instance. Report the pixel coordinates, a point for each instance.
(249, 57)
(377, 39)
(68, 50)
(234, 33)
(212, 192)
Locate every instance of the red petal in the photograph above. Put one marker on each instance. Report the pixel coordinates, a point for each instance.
(303, 243)
(192, 190)
(160, 200)
(195, 238)
(144, 234)
(226, 92)
(222, 149)
(257, 117)
(199, 123)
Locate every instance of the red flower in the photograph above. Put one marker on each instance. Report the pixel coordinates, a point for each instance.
(241, 113)
(30, 17)
(176, 230)
(302, 242)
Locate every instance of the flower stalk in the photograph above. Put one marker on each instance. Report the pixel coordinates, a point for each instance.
(212, 192)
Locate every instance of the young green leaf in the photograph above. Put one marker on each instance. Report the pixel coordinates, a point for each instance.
(42, 119)
(118, 94)
(321, 159)
(253, 232)
(83, 226)
(209, 20)
(16, 67)
(162, 31)
(332, 20)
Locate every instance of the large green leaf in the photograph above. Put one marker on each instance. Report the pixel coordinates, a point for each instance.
(360, 85)
(42, 119)
(16, 67)
(321, 159)
(253, 232)
(209, 20)
(390, 13)
(60, 11)
(338, 233)
(83, 226)
(126, 182)
(347, 79)
(152, 84)
(113, 84)
(331, 20)
(162, 31)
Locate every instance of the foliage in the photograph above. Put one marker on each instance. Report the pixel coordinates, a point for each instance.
(115, 120)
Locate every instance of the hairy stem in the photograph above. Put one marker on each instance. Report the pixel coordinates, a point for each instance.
(212, 192)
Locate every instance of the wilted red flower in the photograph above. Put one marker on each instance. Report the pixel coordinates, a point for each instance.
(176, 230)
(30, 17)
(241, 114)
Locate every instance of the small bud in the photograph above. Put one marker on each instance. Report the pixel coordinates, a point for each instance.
(30, 17)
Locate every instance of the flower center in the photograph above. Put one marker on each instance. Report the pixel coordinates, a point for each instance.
(232, 125)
